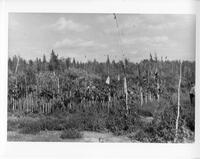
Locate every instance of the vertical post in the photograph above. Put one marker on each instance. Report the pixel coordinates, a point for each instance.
(58, 85)
(150, 97)
(70, 94)
(50, 106)
(126, 93)
(146, 96)
(158, 88)
(178, 106)
(127, 108)
(16, 68)
(32, 104)
(42, 107)
(26, 105)
(109, 100)
(141, 96)
(13, 104)
(25, 87)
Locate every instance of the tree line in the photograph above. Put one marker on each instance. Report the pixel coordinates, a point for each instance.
(149, 80)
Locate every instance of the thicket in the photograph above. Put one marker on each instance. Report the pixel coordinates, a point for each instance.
(73, 96)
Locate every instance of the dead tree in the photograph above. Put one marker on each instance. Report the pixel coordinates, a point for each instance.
(178, 106)
(141, 96)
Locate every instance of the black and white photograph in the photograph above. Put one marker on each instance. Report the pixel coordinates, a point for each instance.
(94, 77)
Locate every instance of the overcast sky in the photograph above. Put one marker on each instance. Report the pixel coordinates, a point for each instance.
(89, 36)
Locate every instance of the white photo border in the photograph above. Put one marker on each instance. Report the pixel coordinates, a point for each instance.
(94, 150)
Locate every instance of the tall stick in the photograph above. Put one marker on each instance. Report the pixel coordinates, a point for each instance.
(158, 93)
(16, 68)
(58, 85)
(125, 81)
(178, 111)
(141, 96)
(126, 93)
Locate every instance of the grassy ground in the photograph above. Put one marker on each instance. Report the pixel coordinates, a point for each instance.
(16, 132)
(54, 136)
(26, 128)
(148, 124)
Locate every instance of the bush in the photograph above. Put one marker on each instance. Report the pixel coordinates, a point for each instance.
(12, 125)
(49, 123)
(162, 129)
(31, 127)
(144, 112)
(120, 123)
(73, 122)
(188, 115)
(92, 121)
(154, 107)
(14, 122)
(141, 136)
(70, 134)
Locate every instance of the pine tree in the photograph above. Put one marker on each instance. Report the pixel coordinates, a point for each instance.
(44, 59)
(68, 62)
(54, 62)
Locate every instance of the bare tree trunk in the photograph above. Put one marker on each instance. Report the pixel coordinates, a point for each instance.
(58, 85)
(158, 95)
(13, 104)
(43, 108)
(16, 68)
(158, 88)
(70, 94)
(150, 97)
(50, 106)
(127, 107)
(146, 97)
(178, 109)
(26, 105)
(141, 96)
(109, 100)
(25, 87)
(126, 94)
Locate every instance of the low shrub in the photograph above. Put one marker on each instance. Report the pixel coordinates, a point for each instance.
(31, 128)
(144, 112)
(153, 108)
(141, 136)
(12, 125)
(188, 115)
(70, 134)
(50, 123)
(93, 121)
(73, 122)
(162, 128)
(120, 123)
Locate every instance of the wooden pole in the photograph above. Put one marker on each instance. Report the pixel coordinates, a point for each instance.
(13, 104)
(58, 85)
(146, 96)
(178, 106)
(109, 100)
(141, 96)
(16, 68)
(26, 105)
(127, 107)
(158, 93)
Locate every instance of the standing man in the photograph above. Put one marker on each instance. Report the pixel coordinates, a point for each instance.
(192, 95)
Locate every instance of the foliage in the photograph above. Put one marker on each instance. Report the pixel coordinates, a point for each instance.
(79, 99)
(31, 128)
(70, 134)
